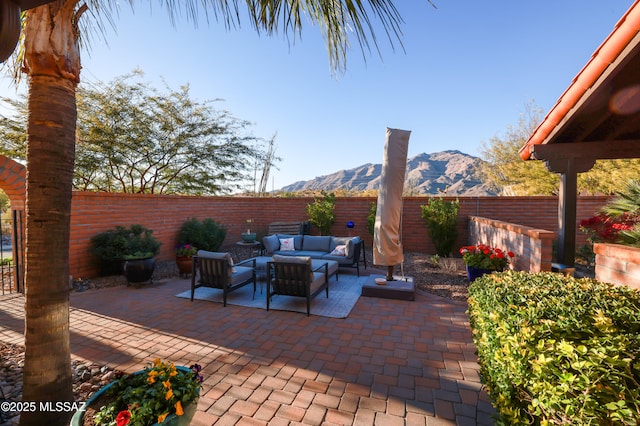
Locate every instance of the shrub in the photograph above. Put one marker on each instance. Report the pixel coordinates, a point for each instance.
(321, 212)
(113, 246)
(557, 350)
(442, 217)
(206, 234)
(119, 243)
(371, 218)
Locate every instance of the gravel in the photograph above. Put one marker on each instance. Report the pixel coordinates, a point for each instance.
(444, 277)
(87, 379)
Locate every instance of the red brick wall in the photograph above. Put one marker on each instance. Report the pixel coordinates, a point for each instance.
(532, 247)
(12, 181)
(95, 212)
(618, 264)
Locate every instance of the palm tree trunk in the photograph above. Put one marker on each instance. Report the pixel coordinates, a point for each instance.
(53, 67)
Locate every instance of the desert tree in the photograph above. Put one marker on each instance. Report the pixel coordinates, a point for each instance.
(507, 174)
(135, 138)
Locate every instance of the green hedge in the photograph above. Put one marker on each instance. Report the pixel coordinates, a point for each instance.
(557, 350)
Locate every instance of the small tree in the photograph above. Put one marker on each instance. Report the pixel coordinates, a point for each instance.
(321, 212)
(371, 218)
(441, 217)
(205, 235)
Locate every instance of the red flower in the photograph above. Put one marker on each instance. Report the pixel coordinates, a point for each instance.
(603, 228)
(485, 257)
(123, 418)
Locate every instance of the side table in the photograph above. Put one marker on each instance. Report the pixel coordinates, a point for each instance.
(248, 250)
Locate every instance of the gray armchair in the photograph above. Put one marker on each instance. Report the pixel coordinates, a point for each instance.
(216, 270)
(293, 276)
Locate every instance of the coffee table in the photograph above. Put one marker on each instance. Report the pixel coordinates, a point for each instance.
(261, 266)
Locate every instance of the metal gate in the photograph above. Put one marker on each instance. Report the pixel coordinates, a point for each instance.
(11, 251)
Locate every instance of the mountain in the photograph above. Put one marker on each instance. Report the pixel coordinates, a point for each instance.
(452, 171)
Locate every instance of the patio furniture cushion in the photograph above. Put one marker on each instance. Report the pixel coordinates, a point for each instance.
(304, 253)
(216, 270)
(241, 274)
(316, 243)
(293, 276)
(352, 256)
(218, 255)
(292, 259)
(271, 243)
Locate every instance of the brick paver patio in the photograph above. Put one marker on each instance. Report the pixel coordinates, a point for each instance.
(389, 363)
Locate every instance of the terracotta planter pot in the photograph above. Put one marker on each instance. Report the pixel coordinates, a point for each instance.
(185, 265)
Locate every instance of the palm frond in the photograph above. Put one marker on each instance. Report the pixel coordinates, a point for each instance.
(339, 21)
(626, 201)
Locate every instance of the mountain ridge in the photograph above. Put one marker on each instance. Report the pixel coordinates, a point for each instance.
(451, 172)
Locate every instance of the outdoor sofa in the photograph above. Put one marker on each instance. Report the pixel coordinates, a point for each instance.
(347, 251)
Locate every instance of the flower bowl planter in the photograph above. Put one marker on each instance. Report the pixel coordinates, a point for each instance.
(473, 273)
(248, 237)
(170, 420)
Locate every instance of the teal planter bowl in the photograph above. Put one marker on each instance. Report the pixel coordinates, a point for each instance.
(170, 420)
(248, 238)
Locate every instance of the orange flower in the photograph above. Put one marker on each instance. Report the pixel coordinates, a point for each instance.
(169, 395)
(161, 417)
(179, 411)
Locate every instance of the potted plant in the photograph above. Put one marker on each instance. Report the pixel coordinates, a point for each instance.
(482, 259)
(184, 253)
(132, 249)
(160, 394)
(248, 237)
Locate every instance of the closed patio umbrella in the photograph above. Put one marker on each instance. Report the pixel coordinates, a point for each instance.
(387, 244)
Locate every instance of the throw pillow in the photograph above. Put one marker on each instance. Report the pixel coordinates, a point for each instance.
(339, 251)
(286, 244)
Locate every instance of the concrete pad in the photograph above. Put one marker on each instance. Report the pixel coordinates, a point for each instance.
(401, 288)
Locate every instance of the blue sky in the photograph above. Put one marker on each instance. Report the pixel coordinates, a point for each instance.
(468, 69)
